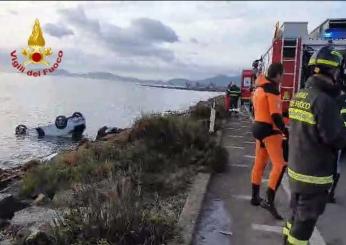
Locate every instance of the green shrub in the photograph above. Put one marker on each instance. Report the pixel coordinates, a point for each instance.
(201, 110)
(122, 218)
(57, 175)
(217, 158)
(170, 134)
(46, 179)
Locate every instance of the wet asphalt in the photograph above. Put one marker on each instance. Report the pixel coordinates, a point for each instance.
(227, 218)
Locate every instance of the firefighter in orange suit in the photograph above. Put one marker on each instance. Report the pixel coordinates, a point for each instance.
(268, 130)
(252, 89)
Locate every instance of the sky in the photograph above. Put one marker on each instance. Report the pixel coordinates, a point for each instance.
(156, 40)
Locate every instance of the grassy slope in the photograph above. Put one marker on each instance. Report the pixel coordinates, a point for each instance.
(133, 185)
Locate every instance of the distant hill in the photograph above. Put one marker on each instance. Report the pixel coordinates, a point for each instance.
(98, 75)
(178, 82)
(219, 81)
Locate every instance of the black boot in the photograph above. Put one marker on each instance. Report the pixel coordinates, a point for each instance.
(285, 241)
(256, 199)
(268, 204)
(331, 197)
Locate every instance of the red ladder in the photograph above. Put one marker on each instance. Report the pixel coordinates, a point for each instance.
(290, 58)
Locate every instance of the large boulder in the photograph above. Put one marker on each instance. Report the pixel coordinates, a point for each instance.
(9, 205)
(106, 132)
(3, 223)
(32, 225)
(34, 217)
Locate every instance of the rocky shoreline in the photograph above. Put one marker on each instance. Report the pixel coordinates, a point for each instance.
(37, 202)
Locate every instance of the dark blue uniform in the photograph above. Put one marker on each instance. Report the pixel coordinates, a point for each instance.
(341, 100)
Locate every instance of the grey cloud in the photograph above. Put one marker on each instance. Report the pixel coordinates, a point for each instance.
(57, 30)
(142, 38)
(153, 30)
(78, 18)
(194, 40)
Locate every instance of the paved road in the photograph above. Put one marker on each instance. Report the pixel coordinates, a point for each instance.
(229, 219)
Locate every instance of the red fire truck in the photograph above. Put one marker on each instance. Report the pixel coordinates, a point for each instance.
(293, 47)
(246, 83)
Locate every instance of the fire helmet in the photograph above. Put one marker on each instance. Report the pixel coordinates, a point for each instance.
(329, 62)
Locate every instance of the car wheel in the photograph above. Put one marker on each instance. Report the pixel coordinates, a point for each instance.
(61, 122)
(77, 114)
(21, 129)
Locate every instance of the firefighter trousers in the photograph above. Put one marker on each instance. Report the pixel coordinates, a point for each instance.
(306, 208)
(269, 148)
(336, 175)
(234, 102)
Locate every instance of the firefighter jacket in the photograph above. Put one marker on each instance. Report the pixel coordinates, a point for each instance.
(341, 100)
(316, 133)
(233, 91)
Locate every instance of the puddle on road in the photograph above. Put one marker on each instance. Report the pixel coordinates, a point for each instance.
(214, 227)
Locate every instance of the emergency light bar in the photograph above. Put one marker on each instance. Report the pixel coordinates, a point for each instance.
(335, 33)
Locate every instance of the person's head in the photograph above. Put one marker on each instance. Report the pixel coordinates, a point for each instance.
(327, 62)
(275, 72)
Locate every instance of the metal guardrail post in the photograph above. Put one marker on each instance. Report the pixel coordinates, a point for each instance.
(212, 117)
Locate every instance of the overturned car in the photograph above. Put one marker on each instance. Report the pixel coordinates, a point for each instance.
(64, 126)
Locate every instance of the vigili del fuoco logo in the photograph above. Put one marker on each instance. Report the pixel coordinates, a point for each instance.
(36, 54)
